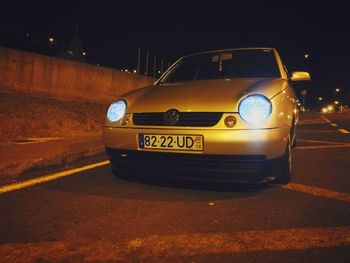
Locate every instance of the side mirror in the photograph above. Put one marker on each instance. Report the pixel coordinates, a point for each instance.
(300, 76)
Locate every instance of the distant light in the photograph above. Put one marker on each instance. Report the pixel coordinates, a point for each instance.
(84, 53)
(324, 110)
(306, 56)
(330, 107)
(51, 39)
(158, 71)
(337, 90)
(135, 71)
(70, 52)
(28, 35)
(319, 98)
(336, 102)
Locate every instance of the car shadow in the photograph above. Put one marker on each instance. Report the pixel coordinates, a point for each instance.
(173, 181)
(102, 182)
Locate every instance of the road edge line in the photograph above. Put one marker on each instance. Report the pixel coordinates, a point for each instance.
(49, 177)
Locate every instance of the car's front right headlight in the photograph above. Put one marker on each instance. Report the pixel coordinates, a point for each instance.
(116, 111)
(255, 108)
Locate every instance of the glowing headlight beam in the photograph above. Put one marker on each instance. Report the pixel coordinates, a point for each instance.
(116, 111)
(255, 108)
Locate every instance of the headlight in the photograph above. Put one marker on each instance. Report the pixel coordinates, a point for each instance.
(255, 108)
(116, 111)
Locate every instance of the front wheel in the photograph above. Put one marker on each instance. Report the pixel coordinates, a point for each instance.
(293, 134)
(286, 166)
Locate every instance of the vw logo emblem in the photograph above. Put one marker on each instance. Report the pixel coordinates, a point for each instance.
(171, 117)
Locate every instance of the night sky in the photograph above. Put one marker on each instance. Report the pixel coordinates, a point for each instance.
(112, 31)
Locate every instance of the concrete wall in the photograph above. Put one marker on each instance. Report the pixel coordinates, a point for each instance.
(60, 78)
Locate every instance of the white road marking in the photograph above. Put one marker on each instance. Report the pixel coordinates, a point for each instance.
(335, 125)
(315, 131)
(323, 117)
(309, 122)
(317, 191)
(35, 140)
(347, 145)
(344, 131)
(316, 141)
(175, 246)
(47, 178)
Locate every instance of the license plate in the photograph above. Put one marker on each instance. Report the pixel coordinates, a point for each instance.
(171, 142)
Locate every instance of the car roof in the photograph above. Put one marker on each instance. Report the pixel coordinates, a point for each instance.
(229, 49)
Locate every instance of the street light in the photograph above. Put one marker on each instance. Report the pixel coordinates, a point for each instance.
(319, 98)
(51, 39)
(303, 93)
(337, 90)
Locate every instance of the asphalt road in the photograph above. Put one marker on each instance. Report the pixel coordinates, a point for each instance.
(92, 216)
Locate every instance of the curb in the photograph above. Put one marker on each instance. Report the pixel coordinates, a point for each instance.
(18, 171)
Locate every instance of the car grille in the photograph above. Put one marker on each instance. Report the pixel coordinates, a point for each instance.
(172, 161)
(190, 119)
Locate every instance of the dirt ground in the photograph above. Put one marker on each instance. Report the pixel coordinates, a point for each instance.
(25, 116)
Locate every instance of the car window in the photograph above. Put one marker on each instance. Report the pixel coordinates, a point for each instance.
(225, 65)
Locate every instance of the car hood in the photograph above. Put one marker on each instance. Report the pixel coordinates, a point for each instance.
(200, 96)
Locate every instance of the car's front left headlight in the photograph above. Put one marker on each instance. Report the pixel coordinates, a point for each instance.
(116, 111)
(255, 108)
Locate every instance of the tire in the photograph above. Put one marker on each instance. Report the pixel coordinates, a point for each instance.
(293, 134)
(294, 142)
(286, 166)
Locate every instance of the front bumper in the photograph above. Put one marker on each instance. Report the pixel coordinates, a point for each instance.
(268, 142)
(225, 168)
(244, 156)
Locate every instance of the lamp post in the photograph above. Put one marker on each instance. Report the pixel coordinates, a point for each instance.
(154, 66)
(138, 61)
(147, 56)
(319, 100)
(303, 93)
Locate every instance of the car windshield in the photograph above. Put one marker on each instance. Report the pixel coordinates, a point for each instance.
(250, 63)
